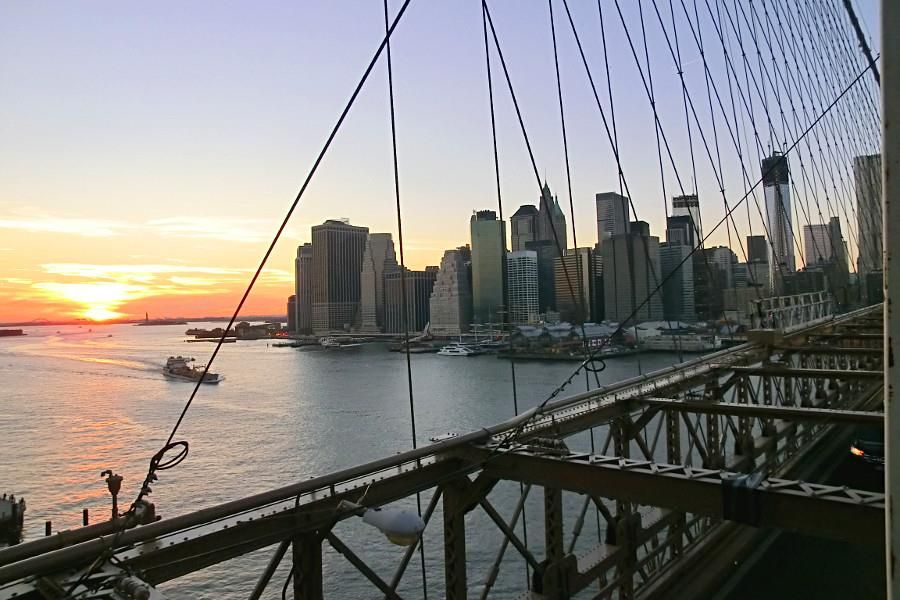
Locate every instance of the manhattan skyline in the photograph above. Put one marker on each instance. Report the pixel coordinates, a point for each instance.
(148, 157)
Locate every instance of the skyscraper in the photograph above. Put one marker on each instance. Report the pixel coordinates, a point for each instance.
(551, 221)
(689, 206)
(680, 230)
(292, 313)
(631, 272)
(576, 302)
(303, 286)
(757, 249)
(867, 179)
(776, 186)
(379, 259)
(613, 212)
(451, 296)
(524, 226)
(488, 248)
(337, 251)
(419, 285)
(677, 271)
(522, 286)
(817, 248)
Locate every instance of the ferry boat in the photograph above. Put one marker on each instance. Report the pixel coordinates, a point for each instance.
(675, 342)
(333, 343)
(457, 350)
(177, 367)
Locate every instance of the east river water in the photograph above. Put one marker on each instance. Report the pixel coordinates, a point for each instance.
(75, 402)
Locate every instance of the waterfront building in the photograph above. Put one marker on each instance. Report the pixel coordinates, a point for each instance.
(576, 294)
(451, 296)
(292, 313)
(303, 288)
(378, 260)
(777, 190)
(522, 286)
(678, 289)
(613, 212)
(631, 273)
(488, 249)
(867, 179)
(688, 206)
(419, 285)
(337, 251)
(523, 226)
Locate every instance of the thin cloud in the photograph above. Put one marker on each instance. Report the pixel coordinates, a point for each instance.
(213, 228)
(83, 227)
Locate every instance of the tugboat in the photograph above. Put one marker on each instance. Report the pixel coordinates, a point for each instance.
(177, 367)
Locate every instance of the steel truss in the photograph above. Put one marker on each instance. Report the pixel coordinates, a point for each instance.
(689, 457)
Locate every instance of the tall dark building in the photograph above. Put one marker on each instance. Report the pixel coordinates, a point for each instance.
(757, 250)
(547, 253)
(337, 251)
(551, 221)
(777, 190)
(680, 230)
(523, 226)
(576, 302)
(292, 313)
(419, 285)
(303, 289)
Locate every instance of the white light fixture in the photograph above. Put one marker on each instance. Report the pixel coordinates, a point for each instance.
(401, 527)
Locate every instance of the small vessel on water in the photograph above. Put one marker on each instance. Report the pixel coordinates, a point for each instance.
(11, 332)
(457, 349)
(178, 367)
(333, 343)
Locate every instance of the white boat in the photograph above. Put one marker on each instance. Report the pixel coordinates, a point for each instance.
(178, 367)
(675, 342)
(333, 343)
(457, 350)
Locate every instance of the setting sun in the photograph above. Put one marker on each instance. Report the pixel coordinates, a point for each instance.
(98, 301)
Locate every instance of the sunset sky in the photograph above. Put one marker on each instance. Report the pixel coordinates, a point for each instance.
(148, 152)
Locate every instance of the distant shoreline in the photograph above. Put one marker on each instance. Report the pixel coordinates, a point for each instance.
(278, 318)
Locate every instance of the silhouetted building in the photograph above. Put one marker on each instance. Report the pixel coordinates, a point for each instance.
(451, 296)
(524, 226)
(680, 230)
(419, 285)
(867, 179)
(613, 212)
(303, 286)
(777, 190)
(631, 273)
(677, 271)
(551, 221)
(689, 206)
(757, 249)
(338, 249)
(575, 294)
(488, 248)
(292, 313)
(379, 259)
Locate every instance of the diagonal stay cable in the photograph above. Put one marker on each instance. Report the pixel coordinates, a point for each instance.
(156, 462)
(403, 273)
